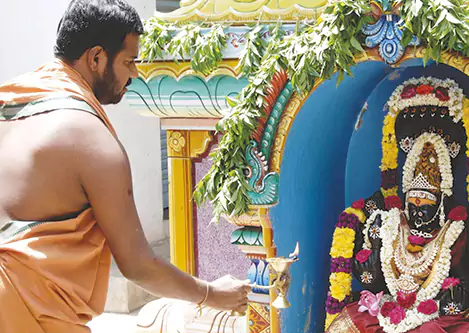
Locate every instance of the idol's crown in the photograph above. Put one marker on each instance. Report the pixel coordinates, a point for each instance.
(420, 182)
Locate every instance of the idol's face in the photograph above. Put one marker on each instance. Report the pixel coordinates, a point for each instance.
(423, 214)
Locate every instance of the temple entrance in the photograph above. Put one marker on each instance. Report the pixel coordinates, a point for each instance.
(332, 158)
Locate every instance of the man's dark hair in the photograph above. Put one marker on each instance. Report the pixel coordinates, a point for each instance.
(89, 23)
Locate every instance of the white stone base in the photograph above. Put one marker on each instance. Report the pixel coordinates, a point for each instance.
(171, 316)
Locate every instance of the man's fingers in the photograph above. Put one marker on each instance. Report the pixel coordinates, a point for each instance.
(243, 300)
(247, 288)
(242, 308)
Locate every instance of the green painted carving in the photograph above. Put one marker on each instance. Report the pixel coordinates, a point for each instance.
(272, 123)
(247, 236)
(265, 184)
(190, 96)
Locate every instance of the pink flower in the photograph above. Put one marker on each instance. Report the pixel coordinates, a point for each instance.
(442, 94)
(458, 213)
(369, 302)
(408, 91)
(359, 204)
(416, 240)
(387, 308)
(406, 300)
(450, 283)
(427, 307)
(362, 256)
(397, 315)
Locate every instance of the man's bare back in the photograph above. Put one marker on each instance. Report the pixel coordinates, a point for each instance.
(40, 164)
(66, 161)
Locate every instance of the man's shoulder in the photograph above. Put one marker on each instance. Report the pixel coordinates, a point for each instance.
(81, 132)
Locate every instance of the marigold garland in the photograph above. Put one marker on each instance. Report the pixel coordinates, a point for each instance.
(390, 153)
(343, 243)
(357, 212)
(389, 193)
(389, 142)
(341, 285)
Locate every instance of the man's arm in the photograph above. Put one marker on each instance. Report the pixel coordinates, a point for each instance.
(105, 176)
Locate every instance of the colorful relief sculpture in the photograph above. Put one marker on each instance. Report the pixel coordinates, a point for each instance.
(410, 257)
(258, 153)
(386, 32)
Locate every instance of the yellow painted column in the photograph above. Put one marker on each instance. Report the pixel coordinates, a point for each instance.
(183, 146)
(271, 252)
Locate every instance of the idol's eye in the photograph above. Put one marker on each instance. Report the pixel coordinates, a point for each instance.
(425, 208)
(412, 207)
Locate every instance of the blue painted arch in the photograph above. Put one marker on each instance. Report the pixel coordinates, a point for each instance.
(332, 158)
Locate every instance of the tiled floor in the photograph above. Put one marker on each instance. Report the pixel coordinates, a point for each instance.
(114, 323)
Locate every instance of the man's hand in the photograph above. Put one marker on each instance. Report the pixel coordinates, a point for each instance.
(228, 294)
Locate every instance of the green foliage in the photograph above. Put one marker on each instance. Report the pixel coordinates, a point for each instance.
(442, 25)
(313, 52)
(156, 36)
(329, 46)
(251, 55)
(225, 184)
(207, 50)
(204, 50)
(182, 44)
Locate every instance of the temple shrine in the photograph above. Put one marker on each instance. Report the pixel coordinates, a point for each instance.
(345, 205)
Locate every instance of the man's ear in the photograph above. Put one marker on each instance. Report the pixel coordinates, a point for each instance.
(97, 59)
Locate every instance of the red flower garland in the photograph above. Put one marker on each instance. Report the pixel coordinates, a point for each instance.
(406, 300)
(458, 213)
(427, 307)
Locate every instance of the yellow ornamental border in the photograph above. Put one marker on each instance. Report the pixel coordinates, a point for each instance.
(240, 11)
(149, 70)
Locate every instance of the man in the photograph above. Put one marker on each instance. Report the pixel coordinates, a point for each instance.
(66, 198)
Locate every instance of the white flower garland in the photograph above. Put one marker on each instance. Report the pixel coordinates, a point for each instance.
(388, 234)
(454, 104)
(413, 318)
(444, 162)
(368, 223)
(443, 264)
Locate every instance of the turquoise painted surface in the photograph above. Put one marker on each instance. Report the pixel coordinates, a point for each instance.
(190, 96)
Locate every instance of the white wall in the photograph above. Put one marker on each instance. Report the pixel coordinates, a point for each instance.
(27, 36)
